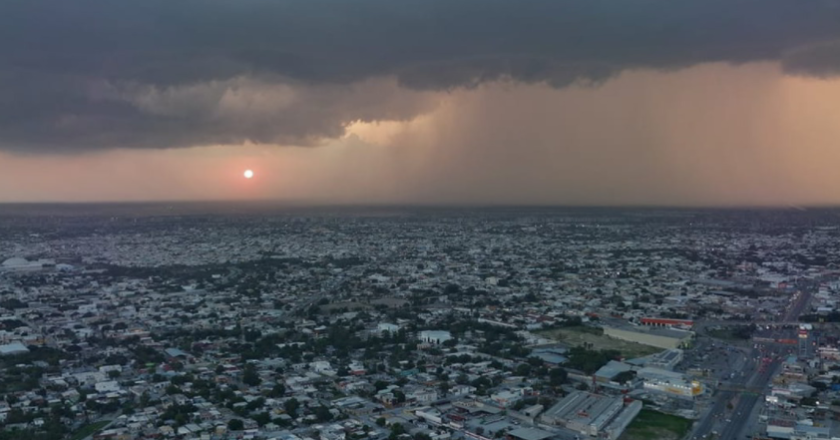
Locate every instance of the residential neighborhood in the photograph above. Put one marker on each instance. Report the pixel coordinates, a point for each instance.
(527, 324)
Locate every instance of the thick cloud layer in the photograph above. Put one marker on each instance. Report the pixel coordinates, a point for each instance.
(92, 74)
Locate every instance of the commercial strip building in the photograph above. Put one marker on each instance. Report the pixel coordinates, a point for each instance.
(593, 414)
(669, 382)
(651, 378)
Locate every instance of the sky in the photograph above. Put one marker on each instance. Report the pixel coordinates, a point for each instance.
(556, 102)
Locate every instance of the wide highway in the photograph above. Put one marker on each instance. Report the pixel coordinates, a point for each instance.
(762, 363)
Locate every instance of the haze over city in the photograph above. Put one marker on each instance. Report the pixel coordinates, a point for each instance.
(650, 102)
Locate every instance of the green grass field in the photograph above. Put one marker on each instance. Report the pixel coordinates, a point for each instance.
(87, 430)
(650, 424)
(574, 336)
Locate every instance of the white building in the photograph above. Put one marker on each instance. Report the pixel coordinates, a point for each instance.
(462, 390)
(425, 394)
(107, 387)
(506, 398)
(322, 367)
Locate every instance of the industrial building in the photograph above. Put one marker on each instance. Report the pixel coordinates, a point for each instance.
(593, 414)
(789, 429)
(605, 374)
(530, 434)
(667, 338)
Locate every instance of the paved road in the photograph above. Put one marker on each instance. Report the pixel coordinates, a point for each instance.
(734, 424)
(744, 408)
(718, 412)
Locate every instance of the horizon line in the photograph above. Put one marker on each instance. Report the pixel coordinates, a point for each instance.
(451, 205)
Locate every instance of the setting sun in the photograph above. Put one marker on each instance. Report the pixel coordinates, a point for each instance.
(248, 174)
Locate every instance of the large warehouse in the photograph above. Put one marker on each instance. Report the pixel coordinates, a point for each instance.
(666, 338)
(593, 414)
(667, 322)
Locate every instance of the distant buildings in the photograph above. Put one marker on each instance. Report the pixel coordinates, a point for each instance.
(299, 310)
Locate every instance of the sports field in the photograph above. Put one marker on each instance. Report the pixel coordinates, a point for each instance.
(592, 337)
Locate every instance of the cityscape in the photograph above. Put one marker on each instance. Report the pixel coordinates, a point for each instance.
(263, 322)
(419, 220)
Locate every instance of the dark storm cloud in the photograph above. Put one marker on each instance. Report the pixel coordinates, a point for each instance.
(821, 60)
(160, 73)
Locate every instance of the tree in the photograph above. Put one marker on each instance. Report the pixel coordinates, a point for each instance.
(278, 391)
(250, 376)
(523, 370)
(236, 425)
(291, 406)
(396, 430)
(262, 418)
(255, 404)
(444, 388)
(557, 376)
(323, 414)
(381, 421)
